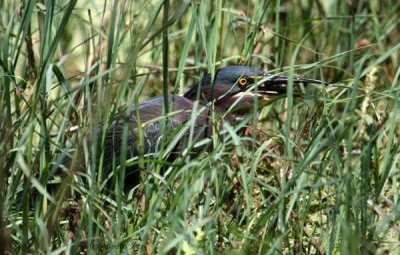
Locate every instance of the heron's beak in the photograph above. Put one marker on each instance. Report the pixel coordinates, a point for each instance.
(277, 84)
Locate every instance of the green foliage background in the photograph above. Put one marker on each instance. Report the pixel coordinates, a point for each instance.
(317, 175)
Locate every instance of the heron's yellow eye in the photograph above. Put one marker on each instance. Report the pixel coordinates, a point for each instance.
(243, 81)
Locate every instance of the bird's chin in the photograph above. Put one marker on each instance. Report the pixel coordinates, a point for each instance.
(265, 97)
(243, 102)
(251, 95)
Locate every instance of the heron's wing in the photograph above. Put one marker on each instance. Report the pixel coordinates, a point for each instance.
(150, 112)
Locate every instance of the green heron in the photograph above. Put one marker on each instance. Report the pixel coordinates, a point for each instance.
(233, 92)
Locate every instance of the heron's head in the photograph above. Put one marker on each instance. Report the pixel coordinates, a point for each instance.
(240, 85)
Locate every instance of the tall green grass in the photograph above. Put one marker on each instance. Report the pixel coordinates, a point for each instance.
(312, 174)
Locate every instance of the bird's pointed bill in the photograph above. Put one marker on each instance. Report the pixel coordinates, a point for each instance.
(277, 84)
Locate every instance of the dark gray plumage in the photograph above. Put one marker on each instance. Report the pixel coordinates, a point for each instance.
(232, 86)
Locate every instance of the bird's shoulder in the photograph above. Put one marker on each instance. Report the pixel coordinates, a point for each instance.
(179, 110)
(151, 110)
